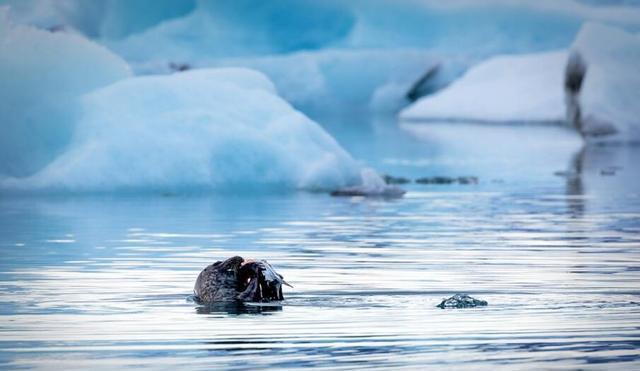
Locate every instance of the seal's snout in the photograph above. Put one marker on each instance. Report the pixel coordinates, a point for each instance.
(260, 282)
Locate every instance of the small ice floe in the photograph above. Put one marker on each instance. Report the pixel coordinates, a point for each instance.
(461, 301)
(372, 186)
(448, 180)
(390, 179)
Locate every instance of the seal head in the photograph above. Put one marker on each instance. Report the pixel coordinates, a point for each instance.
(237, 279)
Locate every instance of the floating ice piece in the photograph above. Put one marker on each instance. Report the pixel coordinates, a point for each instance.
(461, 301)
(390, 179)
(448, 180)
(372, 186)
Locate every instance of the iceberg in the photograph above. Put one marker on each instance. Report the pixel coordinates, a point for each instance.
(363, 54)
(523, 88)
(611, 89)
(43, 76)
(530, 88)
(196, 131)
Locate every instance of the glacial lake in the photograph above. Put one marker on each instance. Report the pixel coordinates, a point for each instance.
(550, 237)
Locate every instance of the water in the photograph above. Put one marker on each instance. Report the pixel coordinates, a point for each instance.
(105, 282)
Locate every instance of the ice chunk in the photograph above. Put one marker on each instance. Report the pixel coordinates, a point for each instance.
(611, 89)
(524, 88)
(43, 74)
(461, 301)
(202, 130)
(372, 185)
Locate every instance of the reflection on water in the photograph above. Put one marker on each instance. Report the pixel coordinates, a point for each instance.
(238, 308)
(107, 282)
(575, 186)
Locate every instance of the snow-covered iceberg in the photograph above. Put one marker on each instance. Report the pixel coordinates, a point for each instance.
(204, 130)
(523, 88)
(42, 75)
(530, 87)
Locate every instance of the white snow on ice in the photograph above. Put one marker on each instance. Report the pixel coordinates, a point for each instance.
(523, 88)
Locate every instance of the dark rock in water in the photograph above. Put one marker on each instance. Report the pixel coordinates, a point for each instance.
(448, 180)
(238, 280)
(389, 179)
(461, 301)
(179, 67)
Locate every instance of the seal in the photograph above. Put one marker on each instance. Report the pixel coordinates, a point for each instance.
(236, 279)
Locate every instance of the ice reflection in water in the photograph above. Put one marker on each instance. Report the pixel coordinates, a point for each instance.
(106, 283)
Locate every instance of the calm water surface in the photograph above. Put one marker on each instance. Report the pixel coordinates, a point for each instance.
(105, 282)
